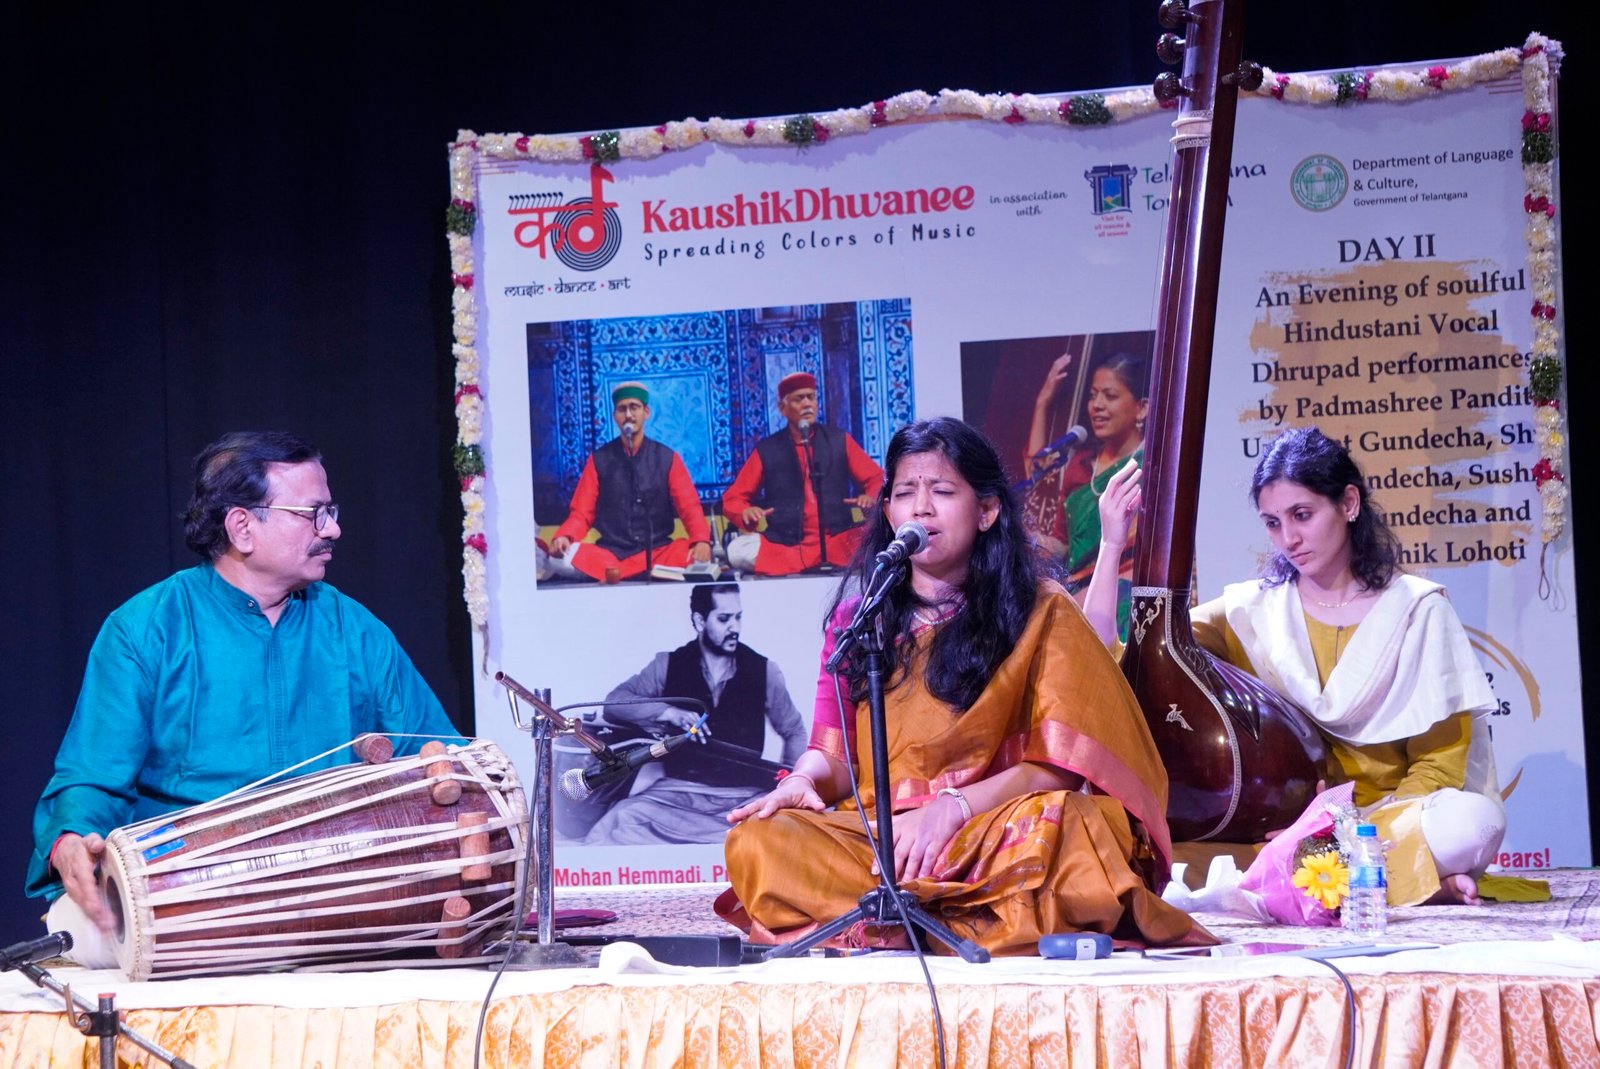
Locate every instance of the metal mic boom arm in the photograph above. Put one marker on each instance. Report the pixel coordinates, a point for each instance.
(562, 725)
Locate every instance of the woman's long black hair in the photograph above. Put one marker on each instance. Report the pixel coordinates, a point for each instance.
(1323, 465)
(999, 591)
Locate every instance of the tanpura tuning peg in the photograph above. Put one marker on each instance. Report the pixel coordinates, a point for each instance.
(1174, 13)
(1248, 76)
(1169, 49)
(1168, 87)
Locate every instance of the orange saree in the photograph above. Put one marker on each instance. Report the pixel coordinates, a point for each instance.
(1044, 862)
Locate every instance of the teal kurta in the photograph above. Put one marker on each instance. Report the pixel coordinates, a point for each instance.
(190, 693)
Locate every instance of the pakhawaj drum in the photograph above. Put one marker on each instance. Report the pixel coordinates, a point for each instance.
(356, 864)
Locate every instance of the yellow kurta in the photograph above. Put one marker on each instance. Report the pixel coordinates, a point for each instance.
(1404, 769)
(1045, 862)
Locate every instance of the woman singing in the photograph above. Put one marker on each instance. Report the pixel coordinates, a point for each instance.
(1028, 794)
(1115, 411)
(1377, 657)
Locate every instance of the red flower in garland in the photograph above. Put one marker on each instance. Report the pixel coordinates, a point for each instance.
(477, 542)
(880, 113)
(1543, 311)
(587, 144)
(464, 281)
(466, 482)
(1535, 122)
(1015, 117)
(819, 133)
(750, 128)
(522, 144)
(1279, 84)
(469, 388)
(1436, 76)
(1543, 472)
(1538, 205)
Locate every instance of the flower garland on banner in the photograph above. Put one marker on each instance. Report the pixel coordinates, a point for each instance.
(460, 219)
(1539, 60)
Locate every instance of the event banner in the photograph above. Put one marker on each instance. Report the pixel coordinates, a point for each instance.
(681, 353)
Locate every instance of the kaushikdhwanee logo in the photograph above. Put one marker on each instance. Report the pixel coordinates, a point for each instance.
(1318, 183)
(1112, 184)
(585, 233)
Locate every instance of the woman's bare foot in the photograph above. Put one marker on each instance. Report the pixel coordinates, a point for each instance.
(1459, 889)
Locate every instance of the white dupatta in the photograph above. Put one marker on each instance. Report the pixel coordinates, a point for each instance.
(1409, 666)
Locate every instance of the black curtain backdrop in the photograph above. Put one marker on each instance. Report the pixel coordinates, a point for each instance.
(232, 216)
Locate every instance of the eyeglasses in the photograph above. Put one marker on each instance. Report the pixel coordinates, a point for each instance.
(319, 515)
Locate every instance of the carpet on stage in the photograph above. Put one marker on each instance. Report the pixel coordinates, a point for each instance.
(1507, 984)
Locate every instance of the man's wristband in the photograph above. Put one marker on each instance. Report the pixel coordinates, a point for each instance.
(961, 800)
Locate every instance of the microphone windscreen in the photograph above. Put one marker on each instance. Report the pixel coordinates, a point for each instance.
(914, 535)
(573, 785)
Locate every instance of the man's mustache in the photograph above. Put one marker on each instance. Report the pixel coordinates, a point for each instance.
(323, 546)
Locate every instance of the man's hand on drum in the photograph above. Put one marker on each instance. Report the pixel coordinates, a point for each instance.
(75, 858)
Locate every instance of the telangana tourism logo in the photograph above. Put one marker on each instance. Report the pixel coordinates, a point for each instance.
(1112, 184)
(1318, 183)
(584, 233)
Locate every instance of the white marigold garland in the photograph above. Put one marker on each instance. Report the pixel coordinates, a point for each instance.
(460, 221)
(1539, 61)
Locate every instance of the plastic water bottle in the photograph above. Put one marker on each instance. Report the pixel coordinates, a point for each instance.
(1366, 911)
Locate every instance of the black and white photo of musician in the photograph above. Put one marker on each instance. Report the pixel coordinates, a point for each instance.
(743, 692)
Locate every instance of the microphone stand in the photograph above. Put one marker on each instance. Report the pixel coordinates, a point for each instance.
(886, 903)
(814, 477)
(546, 723)
(101, 1021)
(638, 503)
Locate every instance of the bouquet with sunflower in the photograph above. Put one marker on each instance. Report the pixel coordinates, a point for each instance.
(1302, 875)
(1321, 870)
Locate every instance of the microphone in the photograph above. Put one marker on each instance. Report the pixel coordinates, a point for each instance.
(629, 429)
(579, 783)
(804, 430)
(1076, 435)
(41, 949)
(909, 540)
